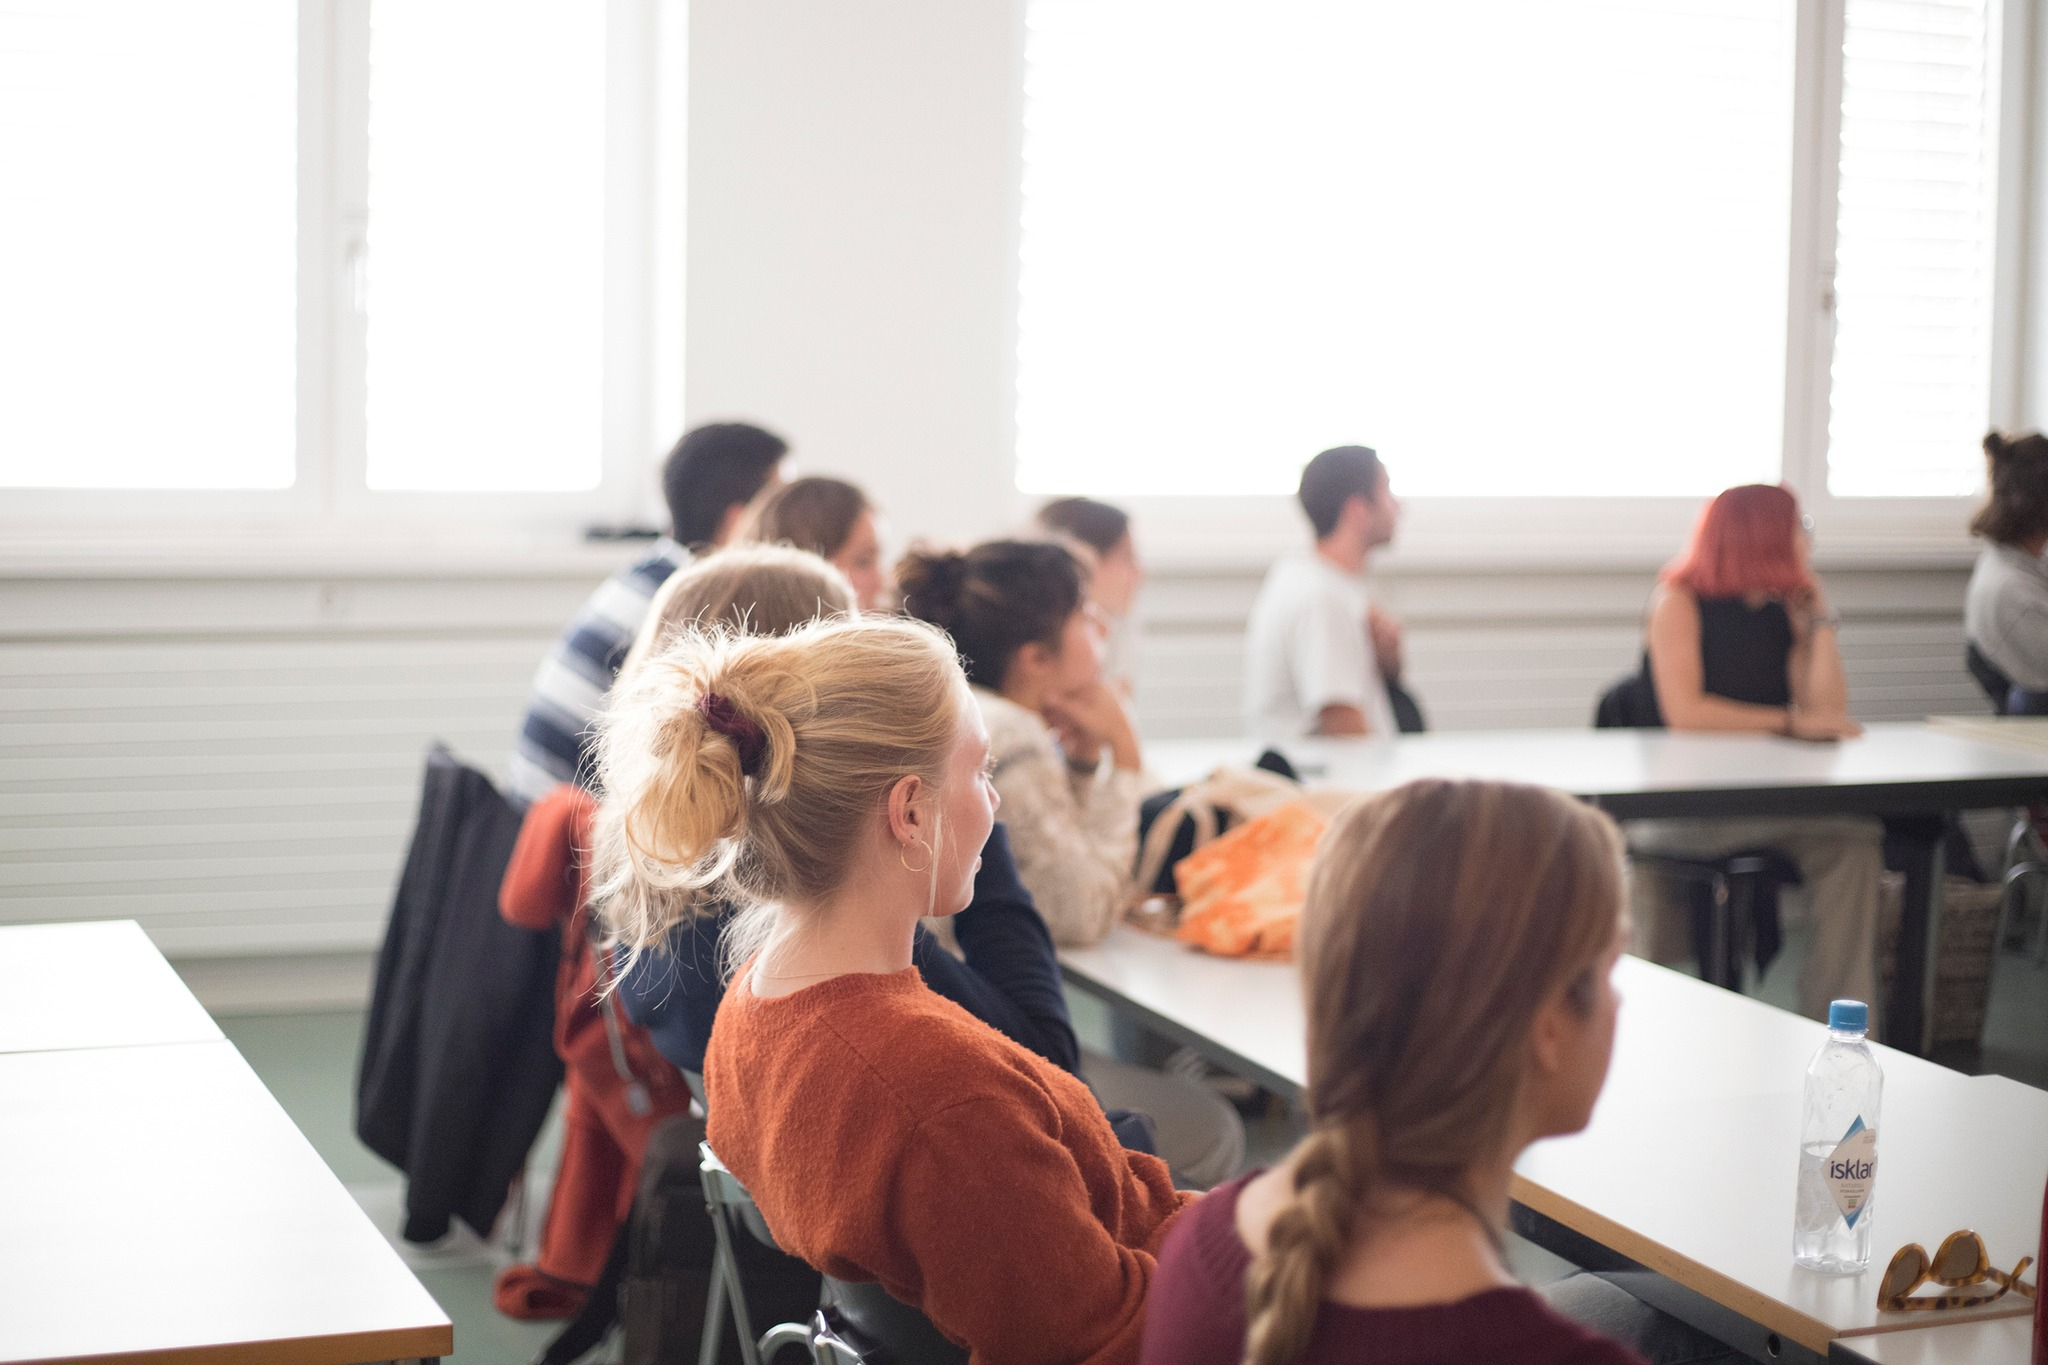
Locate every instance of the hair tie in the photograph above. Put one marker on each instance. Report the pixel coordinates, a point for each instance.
(747, 737)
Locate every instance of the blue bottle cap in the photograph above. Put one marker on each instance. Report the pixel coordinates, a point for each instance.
(1849, 1016)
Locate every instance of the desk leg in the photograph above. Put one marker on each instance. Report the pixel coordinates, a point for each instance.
(1906, 1017)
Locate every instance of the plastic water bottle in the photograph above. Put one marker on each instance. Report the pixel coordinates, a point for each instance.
(1838, 1147)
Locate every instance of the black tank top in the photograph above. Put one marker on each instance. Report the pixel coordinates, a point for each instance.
(1743, 652)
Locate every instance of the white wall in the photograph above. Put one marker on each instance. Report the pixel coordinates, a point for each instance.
(853, 186)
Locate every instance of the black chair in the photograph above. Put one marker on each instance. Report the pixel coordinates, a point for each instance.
(858, 1324)
(1997, 687)
(1726, 893)
(1734, 897)
(886, 1330)
(2007, 697)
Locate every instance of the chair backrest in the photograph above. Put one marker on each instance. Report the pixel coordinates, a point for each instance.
(723, 1195)
(1989, 676)
(902, 1334)
(1629, 703)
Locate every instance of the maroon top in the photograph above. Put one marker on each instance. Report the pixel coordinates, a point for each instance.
(1195, 1315)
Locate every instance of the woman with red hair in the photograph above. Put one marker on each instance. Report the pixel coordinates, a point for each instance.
(1741, 638)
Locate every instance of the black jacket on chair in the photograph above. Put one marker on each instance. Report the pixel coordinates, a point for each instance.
(458, 1064)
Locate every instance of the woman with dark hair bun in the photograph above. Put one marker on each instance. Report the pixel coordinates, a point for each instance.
(1066, 753)
(1066, 763)
(2005, 614)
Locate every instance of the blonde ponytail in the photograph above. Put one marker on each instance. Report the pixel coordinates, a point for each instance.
(746, 768)
(1284, 1288)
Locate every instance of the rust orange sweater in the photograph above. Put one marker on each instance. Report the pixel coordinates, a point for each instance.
(889, 1135)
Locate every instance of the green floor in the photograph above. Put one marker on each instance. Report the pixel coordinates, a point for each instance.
(308, 1061)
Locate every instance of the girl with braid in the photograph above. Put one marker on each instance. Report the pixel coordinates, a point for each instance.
(1455, 950)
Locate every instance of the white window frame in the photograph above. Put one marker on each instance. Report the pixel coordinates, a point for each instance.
(1236, 531)
(646, 56)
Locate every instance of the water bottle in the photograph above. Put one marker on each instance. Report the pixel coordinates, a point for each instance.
(1838, 1147)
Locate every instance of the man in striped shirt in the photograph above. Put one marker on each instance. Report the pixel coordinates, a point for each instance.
(708, 479)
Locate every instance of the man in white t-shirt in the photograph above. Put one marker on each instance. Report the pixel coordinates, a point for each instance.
(1318, 654)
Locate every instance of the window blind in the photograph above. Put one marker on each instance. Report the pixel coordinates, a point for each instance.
(1916, 233)
(1521, 249)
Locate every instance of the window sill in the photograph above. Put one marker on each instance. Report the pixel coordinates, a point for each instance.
(50, 553)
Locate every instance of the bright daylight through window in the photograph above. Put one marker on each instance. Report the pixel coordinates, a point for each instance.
(1523, 249)
(485, 280)
(165, 310)
(147, 277)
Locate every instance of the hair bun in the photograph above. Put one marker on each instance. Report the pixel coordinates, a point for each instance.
(1996, 445)
(929, 583)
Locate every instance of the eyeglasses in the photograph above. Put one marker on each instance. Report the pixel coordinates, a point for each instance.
(1961, 1260)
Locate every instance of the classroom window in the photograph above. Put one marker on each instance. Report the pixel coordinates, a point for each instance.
(484, 278)
(1521, 249)
(149, 161)
(334, 258)
(1916, 227)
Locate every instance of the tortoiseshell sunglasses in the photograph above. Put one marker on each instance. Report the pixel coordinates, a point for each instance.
(1961, 1260)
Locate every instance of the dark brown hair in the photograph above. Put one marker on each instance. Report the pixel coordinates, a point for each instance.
(994, 599)
(812, 514)
(1441, 916)
(2017, 509)
(1097, 525)
(713, 469)
(1333, 479)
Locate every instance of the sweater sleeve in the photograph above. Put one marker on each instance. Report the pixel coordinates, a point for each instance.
(1010, 978)
(674, 993)
(539, 888)
(1073, 853)
(1024, 1269)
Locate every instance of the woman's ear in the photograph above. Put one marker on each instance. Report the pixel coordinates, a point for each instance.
(906, 814)
(1550, 1035)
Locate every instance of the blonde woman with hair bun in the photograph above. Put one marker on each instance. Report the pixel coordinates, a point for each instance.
(834, 783)
(1456, 949)
(1006, 973)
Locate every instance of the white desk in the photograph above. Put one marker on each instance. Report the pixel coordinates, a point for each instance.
(1892, 769)
(1911, 773)
(2002, 1341)
(99, 984)
(1689, 1164)
(155, 1202)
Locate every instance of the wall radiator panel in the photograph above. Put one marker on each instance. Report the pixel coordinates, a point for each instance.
(235, 761)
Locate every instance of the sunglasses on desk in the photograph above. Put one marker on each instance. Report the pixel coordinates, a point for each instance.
(1961, 1261)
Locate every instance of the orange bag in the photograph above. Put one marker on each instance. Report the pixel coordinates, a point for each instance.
(1241, 895)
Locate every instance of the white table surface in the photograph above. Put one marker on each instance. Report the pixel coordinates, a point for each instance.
(90, 985)
(1689, 1164)
(2001, 1341)
(2028, 731)
(1652, 765)
(157, 1204)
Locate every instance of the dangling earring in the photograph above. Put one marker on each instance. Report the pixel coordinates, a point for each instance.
(906, 861)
